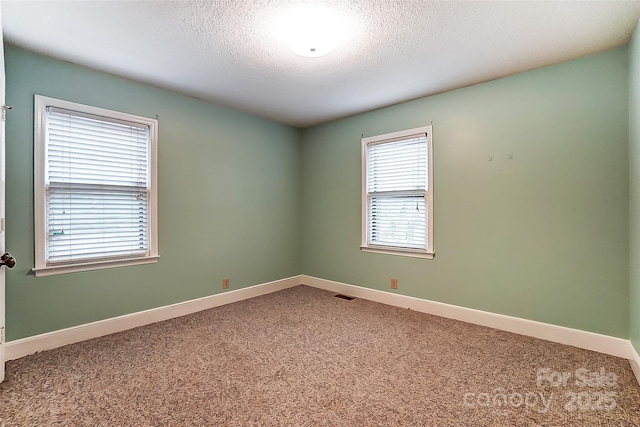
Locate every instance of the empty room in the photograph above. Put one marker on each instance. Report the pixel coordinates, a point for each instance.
(320, 213)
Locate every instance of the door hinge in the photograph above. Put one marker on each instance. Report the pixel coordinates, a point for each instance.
(1, 225)
(2, 335)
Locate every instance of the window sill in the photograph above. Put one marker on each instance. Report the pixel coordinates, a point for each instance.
(51, 270)
(399, 252)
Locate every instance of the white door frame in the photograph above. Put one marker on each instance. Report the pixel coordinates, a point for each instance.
(2, 207)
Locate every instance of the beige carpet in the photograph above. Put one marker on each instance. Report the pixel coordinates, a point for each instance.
(302, 357)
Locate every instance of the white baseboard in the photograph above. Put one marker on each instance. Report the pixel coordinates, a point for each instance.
(50, 340)
(588, 340)
(634, 361)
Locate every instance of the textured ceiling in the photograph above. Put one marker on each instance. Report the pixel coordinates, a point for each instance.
(232, 52)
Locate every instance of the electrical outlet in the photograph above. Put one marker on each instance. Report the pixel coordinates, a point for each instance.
(394, 283)
(225, 283)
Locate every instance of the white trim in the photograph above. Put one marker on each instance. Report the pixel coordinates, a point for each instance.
(634, 361)
(588, 340)
(50, 340)
(96, 265)
(39, 195)
(582, 339)
(413, 254)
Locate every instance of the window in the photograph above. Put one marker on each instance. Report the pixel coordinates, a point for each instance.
(397, 193)
(95, 188)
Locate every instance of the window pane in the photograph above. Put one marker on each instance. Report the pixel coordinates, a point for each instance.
(86, 150)
(398, 166)
(94, 223)
(398, 221)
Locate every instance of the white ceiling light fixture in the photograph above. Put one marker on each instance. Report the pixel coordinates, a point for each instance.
(311, 31)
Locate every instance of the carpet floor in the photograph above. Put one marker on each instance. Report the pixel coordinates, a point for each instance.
(301, 357)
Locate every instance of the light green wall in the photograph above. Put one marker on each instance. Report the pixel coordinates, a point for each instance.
(634, 188)
(228, 200)
(543, 236)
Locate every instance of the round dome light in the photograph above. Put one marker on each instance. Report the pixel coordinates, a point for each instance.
(310, 31)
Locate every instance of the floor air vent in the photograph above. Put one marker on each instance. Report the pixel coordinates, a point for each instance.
(344, 297)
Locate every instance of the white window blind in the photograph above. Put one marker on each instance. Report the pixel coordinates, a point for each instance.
(397, 197)
(96, 184)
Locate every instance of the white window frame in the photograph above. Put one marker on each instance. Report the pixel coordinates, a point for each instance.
(428, 252)
(42, 267)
